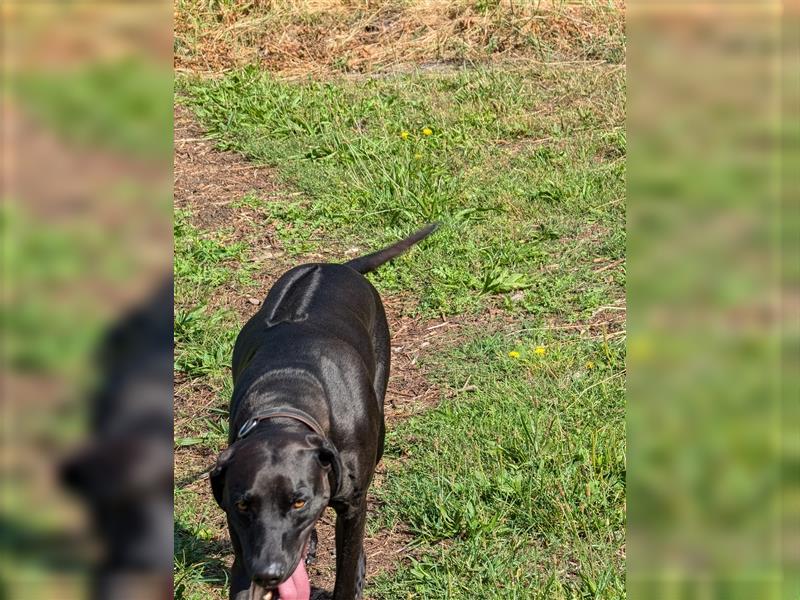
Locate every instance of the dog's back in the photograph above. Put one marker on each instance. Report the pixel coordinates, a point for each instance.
(322, 300)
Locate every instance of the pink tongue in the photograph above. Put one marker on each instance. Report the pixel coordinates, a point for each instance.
(297, 587)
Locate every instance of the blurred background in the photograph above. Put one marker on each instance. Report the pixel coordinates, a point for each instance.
(713, 301)
(86, 298)
(713, 444)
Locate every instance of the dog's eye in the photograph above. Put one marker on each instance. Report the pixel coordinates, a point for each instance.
(298, 504)
(242, 506)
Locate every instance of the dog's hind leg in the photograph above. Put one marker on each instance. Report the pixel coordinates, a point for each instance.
(311, 551)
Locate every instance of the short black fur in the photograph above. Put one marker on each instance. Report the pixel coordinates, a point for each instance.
(319, 344)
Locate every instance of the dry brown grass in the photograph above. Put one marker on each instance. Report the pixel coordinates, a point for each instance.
(296, 38)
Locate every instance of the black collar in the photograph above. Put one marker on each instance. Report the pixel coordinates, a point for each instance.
(307, 420)
(281, 413)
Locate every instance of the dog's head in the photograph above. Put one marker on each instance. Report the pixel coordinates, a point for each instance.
(273, 489)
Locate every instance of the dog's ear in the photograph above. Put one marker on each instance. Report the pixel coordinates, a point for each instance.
(217, 475)
(328, 457)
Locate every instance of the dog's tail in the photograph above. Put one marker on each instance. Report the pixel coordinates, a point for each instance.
(370, 262)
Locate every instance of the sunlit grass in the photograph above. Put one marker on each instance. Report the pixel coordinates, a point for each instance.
(514, 486)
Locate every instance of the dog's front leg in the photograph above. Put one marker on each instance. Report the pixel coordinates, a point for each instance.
(240, 584)
(350, 560)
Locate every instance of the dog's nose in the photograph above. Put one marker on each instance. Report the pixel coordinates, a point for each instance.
(270, 576)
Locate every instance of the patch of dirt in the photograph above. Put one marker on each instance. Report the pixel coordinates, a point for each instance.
(208, 182)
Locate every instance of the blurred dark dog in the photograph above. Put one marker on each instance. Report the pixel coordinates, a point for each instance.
(310, 370)
(124, 472)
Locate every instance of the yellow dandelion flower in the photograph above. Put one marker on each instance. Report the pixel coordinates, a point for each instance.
(427, 131)
(418, 156)
(404, 134)
(514, 354)
(538, 350)
(589, 364)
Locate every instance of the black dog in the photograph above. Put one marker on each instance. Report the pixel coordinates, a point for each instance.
(124, 471)
(310, 370)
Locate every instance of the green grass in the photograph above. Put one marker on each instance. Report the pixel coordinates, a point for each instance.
(204, 263)
(515, 488)
(518, 163)
(198, 555)
(514, 485)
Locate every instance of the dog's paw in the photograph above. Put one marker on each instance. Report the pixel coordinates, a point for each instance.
(318, 594)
